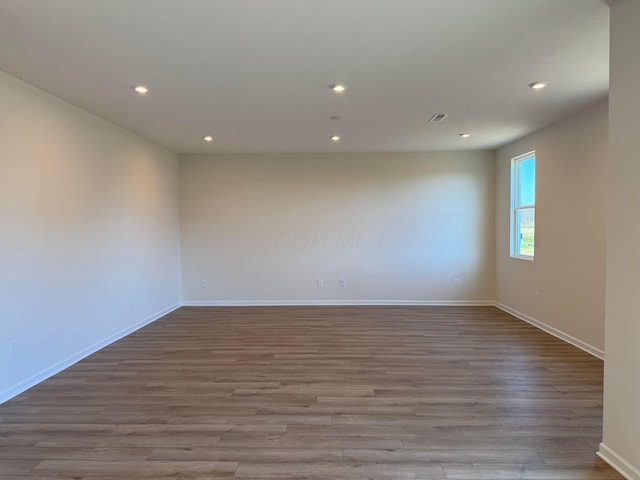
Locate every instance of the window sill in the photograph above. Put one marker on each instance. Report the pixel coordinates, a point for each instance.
(523, 257)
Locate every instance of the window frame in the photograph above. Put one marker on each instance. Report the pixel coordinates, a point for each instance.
(515, 206)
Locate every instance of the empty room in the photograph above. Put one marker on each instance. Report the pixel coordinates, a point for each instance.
(355, 239)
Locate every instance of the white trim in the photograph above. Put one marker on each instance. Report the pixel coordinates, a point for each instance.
(522, 257)
(532, 153)
(590, 349)
(284, 303)
(58, 367)
(622, 466)
(24, 385)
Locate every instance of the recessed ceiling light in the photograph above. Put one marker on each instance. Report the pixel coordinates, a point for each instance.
(538, 85)
(208, 138)
(465, 135)
(335, 138)
(338, 87)
(141, 89)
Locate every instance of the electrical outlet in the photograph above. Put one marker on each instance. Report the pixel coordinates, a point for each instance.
(342, 282)
(456, 282)
(12, 348)
(204, 284)
(320, 283)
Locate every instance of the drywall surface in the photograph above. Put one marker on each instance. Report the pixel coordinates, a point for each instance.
(621, 443)
(563, 287)
(392, 227)
(89, 234)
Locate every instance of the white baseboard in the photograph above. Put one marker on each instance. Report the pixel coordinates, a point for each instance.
(285, 303)
(24, 385)
(590, 349)
(58, 367)
(623, 467)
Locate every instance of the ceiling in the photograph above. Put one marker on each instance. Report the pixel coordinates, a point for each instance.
(255, 74)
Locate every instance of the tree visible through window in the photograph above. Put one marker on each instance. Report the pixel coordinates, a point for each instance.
(523, 205)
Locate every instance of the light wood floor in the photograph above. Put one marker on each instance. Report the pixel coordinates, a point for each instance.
(316, 392)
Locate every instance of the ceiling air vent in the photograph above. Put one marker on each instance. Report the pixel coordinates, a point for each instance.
(438, 117)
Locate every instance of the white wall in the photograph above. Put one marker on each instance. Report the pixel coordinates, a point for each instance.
(396, 227)
(621, 444)
(569, 267)
(89, 236)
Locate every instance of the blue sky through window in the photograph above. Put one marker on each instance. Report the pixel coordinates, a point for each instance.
(528, 181)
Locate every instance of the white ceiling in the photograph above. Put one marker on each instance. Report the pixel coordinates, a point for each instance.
(255, 73)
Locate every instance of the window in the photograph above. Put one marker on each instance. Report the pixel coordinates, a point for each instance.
(523, 205)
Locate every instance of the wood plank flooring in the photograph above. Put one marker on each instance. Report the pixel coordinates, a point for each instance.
(463, 393)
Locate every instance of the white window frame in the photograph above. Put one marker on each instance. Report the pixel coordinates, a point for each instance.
(515, 206)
